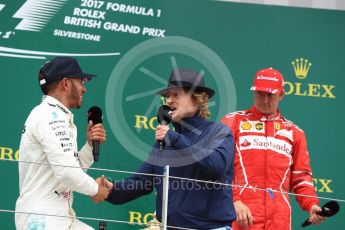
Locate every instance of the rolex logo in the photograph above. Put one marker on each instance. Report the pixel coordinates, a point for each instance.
(301, 67)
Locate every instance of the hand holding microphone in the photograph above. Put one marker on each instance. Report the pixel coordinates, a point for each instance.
(164, 118)
(96, 132)
(329, 209)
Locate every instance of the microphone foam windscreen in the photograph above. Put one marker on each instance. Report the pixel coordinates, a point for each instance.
(331, 208)
(95, 115)
(164, 114)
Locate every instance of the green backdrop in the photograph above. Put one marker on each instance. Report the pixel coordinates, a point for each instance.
(122, 42)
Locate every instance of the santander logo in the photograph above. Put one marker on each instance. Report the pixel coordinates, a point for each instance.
(273, 144)
(269, 143)
(245, 143)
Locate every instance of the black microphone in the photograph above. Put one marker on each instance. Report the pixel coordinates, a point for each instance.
(164, 118)
(95, 115)
(102, 225)
(329, 209)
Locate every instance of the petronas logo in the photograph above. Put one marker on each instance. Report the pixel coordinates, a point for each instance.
(301, 67)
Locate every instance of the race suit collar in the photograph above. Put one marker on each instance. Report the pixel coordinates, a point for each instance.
(263, 117)
(54, 102)
(51, 101)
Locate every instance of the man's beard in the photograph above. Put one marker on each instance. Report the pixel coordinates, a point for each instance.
(75, 98)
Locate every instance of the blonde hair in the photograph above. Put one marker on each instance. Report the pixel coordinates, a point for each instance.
(201, 99)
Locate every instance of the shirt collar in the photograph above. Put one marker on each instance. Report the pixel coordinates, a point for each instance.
(190, 124)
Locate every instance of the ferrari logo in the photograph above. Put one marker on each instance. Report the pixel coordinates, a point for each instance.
(277, 126)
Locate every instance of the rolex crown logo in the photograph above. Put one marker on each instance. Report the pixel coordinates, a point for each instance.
(301, 67)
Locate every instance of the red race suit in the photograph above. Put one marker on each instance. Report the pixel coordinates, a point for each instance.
(271, 158)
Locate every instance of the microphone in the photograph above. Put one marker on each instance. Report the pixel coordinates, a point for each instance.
(329, 209)
(102, 225)
(95, 115)
(164, 118)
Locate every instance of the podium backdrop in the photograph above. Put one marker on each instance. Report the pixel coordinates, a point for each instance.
(132, 47)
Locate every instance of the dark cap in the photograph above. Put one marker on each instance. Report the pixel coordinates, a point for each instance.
(186, 78)
(62, 67)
